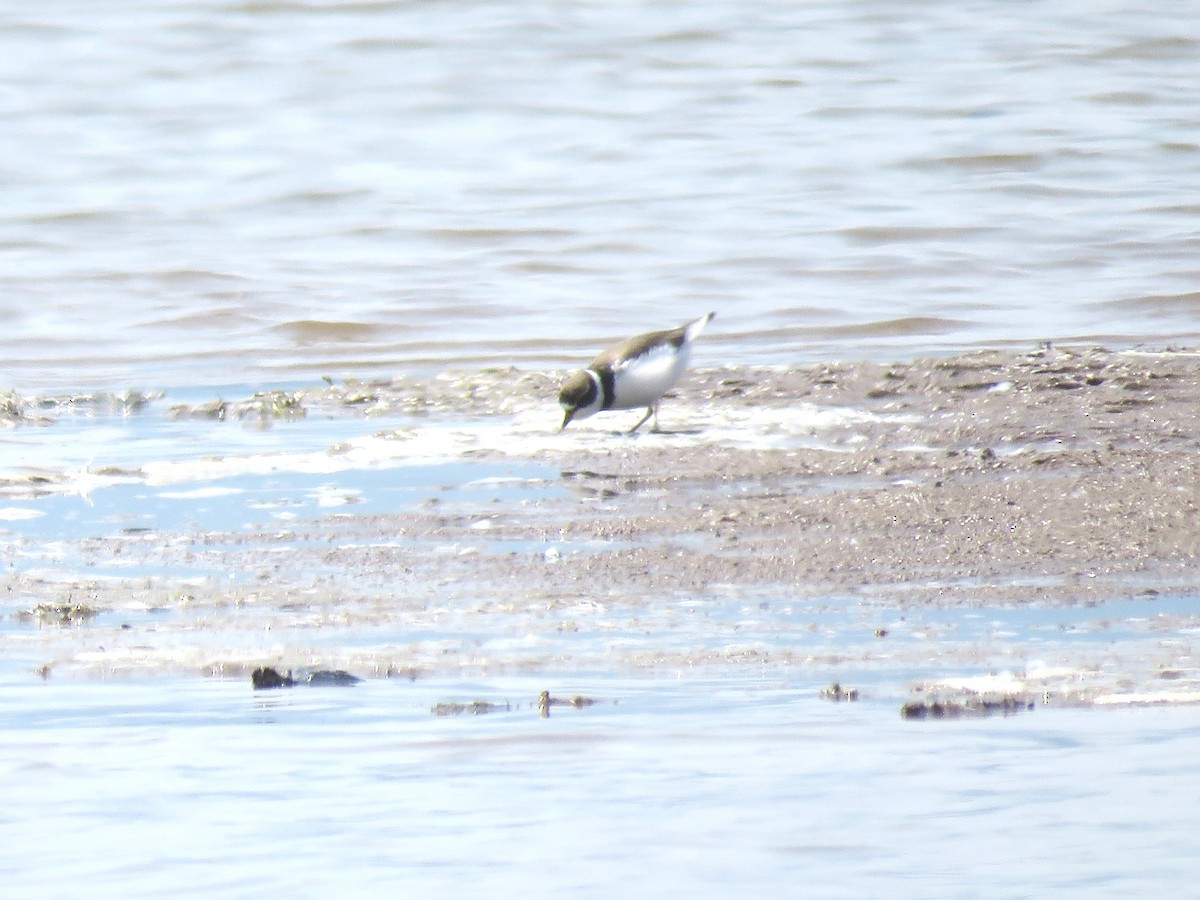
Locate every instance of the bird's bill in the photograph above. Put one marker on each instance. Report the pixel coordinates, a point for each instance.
(568, 415)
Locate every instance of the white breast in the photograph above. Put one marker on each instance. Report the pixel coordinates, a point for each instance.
(642, 381)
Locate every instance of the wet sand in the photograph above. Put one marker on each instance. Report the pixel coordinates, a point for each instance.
(1073, 472)
(1062, 477)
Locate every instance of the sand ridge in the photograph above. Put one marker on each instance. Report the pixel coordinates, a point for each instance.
(1058, 478)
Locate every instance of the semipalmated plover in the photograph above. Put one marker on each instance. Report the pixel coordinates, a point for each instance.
(631, 374)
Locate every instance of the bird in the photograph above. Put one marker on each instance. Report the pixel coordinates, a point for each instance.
(631, 374)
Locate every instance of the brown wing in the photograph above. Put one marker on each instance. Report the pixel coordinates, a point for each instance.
(636, 346)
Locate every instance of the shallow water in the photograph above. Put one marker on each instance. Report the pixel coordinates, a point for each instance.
(208, 196)
(709, 787)
(706, 772)
(709, 763)
(213, 191)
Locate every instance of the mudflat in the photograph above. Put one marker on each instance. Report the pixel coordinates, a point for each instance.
(1068, 475)
(868, 493)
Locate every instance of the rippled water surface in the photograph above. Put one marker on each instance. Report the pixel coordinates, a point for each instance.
(203, 194)
(217, 191)
(705, 788)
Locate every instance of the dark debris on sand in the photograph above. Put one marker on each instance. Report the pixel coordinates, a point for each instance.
(475, 708)
(68, 613)
(835, 693)
(966, 708)
(266, 678)
(545, 702)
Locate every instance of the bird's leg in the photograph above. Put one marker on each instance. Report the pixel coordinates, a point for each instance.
(650, 411)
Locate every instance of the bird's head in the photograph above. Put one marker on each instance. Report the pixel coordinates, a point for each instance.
(579, 396)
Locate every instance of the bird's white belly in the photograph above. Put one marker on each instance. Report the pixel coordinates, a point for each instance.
(641, 382)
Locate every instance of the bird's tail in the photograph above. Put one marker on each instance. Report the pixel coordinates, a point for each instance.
(694, 329)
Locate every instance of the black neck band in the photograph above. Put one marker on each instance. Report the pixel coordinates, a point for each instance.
(607, 396)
